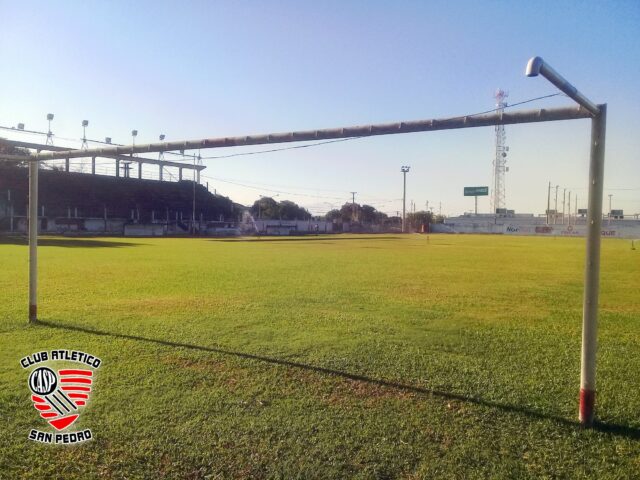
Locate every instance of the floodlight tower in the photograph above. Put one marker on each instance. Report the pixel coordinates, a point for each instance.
(199, 163)
(160, 157)
(85, 124)
(49, 133)
(500, 159)
(161, 154)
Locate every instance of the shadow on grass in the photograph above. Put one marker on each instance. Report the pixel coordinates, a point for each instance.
(67, 242)
(609, 428)
(309, 238)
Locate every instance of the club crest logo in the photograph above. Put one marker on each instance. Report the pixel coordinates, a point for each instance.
(59, 396)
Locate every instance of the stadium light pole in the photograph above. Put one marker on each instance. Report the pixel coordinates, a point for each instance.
(85, 124)
(404, 169)
(537, 66)
(161, 156)
(50, 117)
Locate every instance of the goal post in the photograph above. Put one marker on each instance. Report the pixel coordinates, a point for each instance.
(536, 66)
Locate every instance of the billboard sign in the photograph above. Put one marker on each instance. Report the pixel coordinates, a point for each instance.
(476, 191)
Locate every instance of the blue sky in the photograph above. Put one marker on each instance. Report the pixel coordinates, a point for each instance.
(206, 69)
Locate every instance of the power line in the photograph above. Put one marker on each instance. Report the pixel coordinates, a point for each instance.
(281, 149)
(273, 185)
(344, 198)
(270, 189)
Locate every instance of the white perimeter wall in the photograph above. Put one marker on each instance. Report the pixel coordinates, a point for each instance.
(617, 230)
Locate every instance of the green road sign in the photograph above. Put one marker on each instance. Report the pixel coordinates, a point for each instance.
(476, 191)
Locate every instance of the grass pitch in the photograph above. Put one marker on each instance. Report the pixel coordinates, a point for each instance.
(326, 357)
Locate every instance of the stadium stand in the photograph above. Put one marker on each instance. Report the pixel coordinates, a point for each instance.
(70, 197)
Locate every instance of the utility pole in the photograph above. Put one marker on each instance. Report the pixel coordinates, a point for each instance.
(353, 206)
(404, 169)
(564, 198)
(609, 221)
(548, 202)
(569, 208)
(556, 206)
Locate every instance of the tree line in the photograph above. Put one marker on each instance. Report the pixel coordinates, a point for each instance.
(266, 208)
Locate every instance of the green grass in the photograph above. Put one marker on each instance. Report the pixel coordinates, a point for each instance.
(326, 357)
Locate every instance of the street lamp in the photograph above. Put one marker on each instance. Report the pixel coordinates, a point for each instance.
(404, 169)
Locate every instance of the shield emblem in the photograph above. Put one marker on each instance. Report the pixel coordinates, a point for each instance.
(59, 396)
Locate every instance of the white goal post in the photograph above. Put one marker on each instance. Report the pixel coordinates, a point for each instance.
(536, 66)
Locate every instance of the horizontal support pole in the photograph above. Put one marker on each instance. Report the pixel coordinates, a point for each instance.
(85, 153)
(484, 120)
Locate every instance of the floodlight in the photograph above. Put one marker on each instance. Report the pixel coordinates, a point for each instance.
(21, 126)
(107, 140)
(49, 116)
(161, 136)
(134, 133)
(85, 123)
